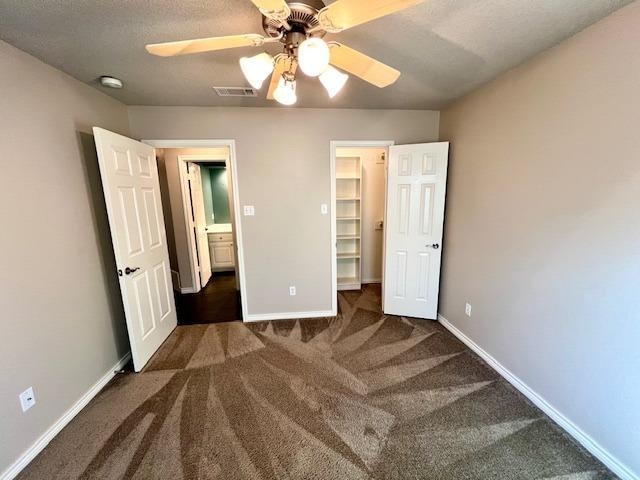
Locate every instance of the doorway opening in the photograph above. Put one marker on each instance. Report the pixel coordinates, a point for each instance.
(199, 185)
(387, 224)
(358, 175)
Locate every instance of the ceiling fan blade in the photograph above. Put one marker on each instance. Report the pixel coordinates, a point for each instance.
(271, 5)
(169, 49)
(363, 66)
(343, 14)
(278, 10)
(283, 64)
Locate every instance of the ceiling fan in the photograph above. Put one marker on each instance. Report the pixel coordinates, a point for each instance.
(300, 27)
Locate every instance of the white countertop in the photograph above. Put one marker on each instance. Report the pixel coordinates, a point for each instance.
(219, 228)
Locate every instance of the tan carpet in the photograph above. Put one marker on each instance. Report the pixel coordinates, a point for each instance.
(359, 396)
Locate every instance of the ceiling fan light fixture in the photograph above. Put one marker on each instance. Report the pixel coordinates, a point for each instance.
(333, 80)
(256, 69)
(286, 92)
(313, 56)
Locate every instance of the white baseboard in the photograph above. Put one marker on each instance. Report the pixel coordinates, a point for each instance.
(262, 317)
(62, 422)
(571, 428)
(175, 279)
(371, 280)
(188, 290)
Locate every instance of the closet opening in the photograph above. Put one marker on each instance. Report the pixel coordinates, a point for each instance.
(358, 176)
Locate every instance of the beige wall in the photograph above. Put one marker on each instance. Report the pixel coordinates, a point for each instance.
(62, 321)
(543, 227)
(173, 209)
(283, 170)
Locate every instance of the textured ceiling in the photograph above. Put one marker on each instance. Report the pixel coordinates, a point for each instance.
(444, 48)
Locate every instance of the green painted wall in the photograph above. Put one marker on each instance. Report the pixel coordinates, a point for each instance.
(207, 192)
(218, 192)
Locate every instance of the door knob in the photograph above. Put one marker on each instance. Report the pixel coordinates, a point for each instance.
(435, 246)
(129, 271)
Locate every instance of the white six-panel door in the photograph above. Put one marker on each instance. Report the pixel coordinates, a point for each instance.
(416, 185)
(132, 195)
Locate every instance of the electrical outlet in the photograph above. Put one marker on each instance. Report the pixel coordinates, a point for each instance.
(324, 209)
(292, 291)
(467, 309)
(27, 399)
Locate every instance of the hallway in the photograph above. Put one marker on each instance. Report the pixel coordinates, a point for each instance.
(218, 302)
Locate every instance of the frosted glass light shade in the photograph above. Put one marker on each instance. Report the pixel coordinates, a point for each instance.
(285, 93)
(313, 56)
(333, 80)
(256, 69)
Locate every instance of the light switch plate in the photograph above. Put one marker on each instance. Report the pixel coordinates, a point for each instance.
(324, 209)
(467, 309)
(249, 211)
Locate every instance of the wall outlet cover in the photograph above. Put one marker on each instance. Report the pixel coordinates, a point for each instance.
(324, 209)
(292, 291)
(467, 309)
(27, 399)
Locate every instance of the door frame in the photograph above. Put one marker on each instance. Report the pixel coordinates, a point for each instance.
(333, 145)
(237, 224)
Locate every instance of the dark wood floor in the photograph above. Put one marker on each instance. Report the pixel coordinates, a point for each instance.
(218, 302)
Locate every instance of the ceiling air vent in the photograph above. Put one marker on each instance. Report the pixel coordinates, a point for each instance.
(236, 91)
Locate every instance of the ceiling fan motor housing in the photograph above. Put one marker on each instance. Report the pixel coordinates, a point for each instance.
(302, 18)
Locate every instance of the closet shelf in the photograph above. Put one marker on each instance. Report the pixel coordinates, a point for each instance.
(348, 196)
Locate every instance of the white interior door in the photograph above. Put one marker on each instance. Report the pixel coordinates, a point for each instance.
(132, 195)
(199, 223)
(416, 185)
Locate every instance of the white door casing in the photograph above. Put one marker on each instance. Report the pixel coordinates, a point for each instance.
(199, 223)
(132, 195)
(416, 187)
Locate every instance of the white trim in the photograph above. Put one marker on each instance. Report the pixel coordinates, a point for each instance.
(333, 144)
(188, 290)
(372, 280)
(189, 143)
(262, 317)
(175, 280)
(231, 144)
(571, 428)
(62, 422)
